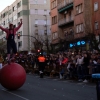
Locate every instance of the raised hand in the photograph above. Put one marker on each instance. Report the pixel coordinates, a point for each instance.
(20, 20)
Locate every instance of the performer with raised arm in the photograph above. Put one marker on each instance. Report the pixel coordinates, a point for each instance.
(10, 36)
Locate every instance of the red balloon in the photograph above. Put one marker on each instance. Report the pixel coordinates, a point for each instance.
(12, 76)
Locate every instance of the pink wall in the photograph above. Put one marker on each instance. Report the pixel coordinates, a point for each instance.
(53, 12)
(79, 17)
(77, 2)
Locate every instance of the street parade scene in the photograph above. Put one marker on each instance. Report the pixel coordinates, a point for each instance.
(50, 50)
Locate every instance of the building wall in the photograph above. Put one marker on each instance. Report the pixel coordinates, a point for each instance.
(54, 27)
(96, 17)
(26, 11)
(13, 18)
(83, 21)
(84, 17)
(41, 13)
(66, 17)
(88, 16)
(79, 18)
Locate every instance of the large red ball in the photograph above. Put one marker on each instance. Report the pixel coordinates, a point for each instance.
(12, 76)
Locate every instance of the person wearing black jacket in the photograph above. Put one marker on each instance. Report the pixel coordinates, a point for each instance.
(85, 67)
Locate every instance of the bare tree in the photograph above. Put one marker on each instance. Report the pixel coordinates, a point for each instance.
(42, 43)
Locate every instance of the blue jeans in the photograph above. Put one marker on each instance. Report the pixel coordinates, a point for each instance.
(80, 72)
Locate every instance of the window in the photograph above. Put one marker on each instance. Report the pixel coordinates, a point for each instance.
(36, 21)
(14, 26)
(79, 9)
(11, 20)
(20, 44)
(35, 1)
(15, 17)
(18, 4)
(45, 1)
(3, 15)
(53, 4)
(54, 20)
(7, 20)
(14, 8)
(20, 32)
(4, 23)
(79, 28)
(45, 22)
(55, 35)
(96, 25)
(19, 14)
(95, 6)
(45, 12)
(36, 11)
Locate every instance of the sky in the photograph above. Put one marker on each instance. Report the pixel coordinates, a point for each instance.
(5, 3)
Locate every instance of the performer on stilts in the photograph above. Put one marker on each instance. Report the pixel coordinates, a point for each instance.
(10, 36)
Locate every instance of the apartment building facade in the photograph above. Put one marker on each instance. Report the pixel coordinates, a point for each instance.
(36, 21)
(54, 18)
(75, 22)
(82, 23)
(96, 18)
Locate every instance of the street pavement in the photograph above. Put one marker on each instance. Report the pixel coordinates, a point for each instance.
(36, 88)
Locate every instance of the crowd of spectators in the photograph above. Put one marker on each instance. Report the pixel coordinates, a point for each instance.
(65, 65)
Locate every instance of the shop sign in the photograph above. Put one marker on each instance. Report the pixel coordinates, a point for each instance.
(78, 43)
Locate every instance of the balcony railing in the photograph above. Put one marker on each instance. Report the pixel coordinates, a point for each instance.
(65, 3)
(65, 21)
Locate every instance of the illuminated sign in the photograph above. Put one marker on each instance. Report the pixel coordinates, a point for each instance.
(71, 45)
(83, 42)
(78, 43)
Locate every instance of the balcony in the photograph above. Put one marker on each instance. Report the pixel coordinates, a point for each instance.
(65, 5)
(67, 21)
(69, 35)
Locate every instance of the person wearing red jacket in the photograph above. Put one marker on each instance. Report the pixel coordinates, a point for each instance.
(65, 60)
(10, 36)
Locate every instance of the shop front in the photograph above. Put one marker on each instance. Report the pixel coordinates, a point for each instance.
(79, 44)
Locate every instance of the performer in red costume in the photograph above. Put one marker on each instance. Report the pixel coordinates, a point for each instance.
(10, 36)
